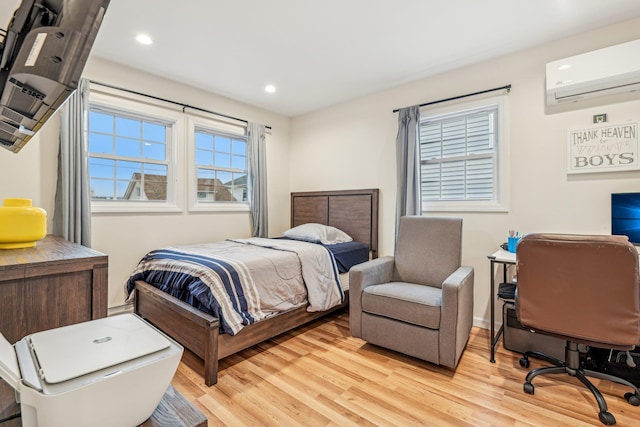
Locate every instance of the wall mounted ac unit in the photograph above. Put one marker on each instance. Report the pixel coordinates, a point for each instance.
(607, 71)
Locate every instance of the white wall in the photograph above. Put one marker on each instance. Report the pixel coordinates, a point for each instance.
(353, 146)
(31, 173)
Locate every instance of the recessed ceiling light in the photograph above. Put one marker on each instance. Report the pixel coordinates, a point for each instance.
(564, 67)
(270, 88)
(144, 39)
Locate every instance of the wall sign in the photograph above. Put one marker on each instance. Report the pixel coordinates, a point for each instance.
(603, 148)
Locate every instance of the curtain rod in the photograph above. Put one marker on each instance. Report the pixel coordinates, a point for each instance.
(507, 87)
(171, 102)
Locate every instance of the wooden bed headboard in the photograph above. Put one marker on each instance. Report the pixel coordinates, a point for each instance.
(353, 211)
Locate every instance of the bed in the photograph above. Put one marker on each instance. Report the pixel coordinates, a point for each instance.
(353, 211)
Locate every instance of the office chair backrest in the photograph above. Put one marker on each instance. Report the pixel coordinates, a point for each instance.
(428, 249)
(581, 287)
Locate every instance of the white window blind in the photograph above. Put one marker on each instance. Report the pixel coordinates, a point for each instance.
(459, 155)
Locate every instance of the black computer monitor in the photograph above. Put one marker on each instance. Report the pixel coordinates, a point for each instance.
(625, 216)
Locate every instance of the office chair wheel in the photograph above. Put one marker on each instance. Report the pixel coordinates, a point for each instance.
(524, 362)
(606, 418)
(528, 388)
(632, 398)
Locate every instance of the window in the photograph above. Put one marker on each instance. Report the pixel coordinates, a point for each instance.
(130, 153)
(221, 163)
(146, 157)
(127, 157)
(219, 166)
(462, 155)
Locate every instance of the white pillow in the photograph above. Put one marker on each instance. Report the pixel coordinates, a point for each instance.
(318, 233)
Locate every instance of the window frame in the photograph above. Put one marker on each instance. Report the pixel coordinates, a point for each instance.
(500, 201)
(195, 122)
(143, 110)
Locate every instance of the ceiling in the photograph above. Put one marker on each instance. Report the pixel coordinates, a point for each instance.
(321, 53)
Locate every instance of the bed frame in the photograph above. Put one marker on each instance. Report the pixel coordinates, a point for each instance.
(353, 211)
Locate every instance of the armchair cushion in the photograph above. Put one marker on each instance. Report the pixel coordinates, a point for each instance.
(408, 302)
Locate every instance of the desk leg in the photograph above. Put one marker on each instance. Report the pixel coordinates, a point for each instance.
(494, 342)
(492, 297)
(495, 337)
(504, 273)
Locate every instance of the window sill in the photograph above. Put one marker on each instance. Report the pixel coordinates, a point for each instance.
(466, 206)
(125, 208)
(220, 207)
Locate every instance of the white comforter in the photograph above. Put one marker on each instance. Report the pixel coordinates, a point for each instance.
(243, 281)
(319, 270)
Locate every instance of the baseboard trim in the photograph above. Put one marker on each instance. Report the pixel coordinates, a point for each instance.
(120, 309)
(484, 323)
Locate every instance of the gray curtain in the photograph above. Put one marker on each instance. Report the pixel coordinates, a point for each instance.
(408, 163)
(72, 215)
(257, 180)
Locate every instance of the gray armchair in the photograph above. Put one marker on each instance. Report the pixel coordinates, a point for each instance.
(420, 301)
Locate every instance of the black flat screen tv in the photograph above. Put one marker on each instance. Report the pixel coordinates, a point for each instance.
(42, 55)
(625, 216)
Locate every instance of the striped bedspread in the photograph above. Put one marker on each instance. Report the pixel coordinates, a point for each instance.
(246, 280)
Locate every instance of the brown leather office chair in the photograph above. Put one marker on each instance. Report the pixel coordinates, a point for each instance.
(586, 290)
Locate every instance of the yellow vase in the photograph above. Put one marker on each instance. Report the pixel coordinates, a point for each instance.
(21, 225)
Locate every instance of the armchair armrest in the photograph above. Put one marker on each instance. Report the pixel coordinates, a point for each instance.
(372, 272)
(455, 321)
(461, 277)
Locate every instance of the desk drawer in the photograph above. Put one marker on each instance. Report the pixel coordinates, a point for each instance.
(518, 338)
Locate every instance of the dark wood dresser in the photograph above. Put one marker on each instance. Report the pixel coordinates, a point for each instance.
(56, 283)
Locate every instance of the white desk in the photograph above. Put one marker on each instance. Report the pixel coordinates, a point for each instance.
(505, 258)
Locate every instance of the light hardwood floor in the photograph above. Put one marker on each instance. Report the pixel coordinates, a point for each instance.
(318, 375)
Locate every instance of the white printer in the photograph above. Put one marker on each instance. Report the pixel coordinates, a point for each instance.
(106, 372)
